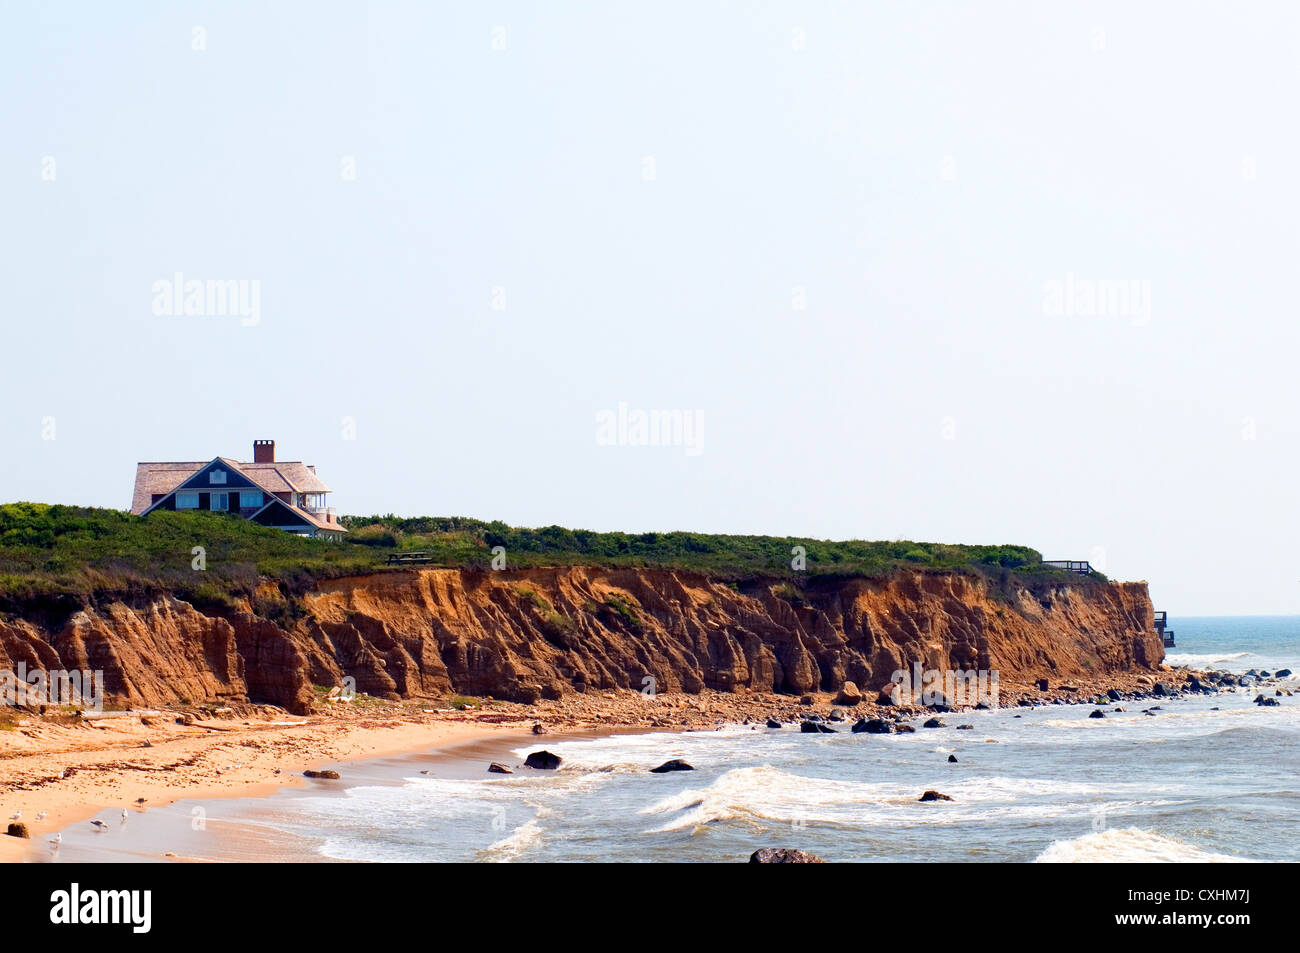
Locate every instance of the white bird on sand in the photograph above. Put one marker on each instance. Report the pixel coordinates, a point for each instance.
(56, 840)
(40, 816)
(16, 816)
(99, 825)
(124, 814)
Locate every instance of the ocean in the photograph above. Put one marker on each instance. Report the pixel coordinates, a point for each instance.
(1209, 778)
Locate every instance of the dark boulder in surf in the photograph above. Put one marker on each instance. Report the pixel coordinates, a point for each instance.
(542, 761)
(934, 723)
(676, 764)
(934, 796)
(871, 726)
(1097, 713)
(498, 768)
(815, 728)
(783, 855)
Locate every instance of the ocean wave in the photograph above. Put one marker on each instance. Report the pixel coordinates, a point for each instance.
(759, 796)
(523, 838)
(1194, 660)
(1129, 845)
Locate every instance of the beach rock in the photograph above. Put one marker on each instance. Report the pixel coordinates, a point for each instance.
(904, 729)
(783, 855)
(497, 768)
(1283, 673)
(323, 775)
(1041, 684)
(18, 829)
(773, 723)
(952, 759)
(539, 728)
(1265, 701)
(838, 715)
(676, 764)
(542, 761)
(805, 700)
(1114, 694)
(1161, 690)
(965, 727)
(848, 695)
(814, 728)
(934, 723)
(983, 706)
(1097, 713)
(871, 726)
(934, 796)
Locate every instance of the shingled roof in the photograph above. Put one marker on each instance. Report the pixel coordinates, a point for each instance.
(288, 476)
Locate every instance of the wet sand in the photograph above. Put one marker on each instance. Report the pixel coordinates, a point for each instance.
(241, 829)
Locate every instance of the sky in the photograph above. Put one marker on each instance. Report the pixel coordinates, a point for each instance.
(1020, 273)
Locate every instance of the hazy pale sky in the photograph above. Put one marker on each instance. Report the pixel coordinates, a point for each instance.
(853, 243)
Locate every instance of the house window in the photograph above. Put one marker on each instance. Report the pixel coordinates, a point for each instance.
(220, 501)
(187, 501)
(250, 498)
(217, 476)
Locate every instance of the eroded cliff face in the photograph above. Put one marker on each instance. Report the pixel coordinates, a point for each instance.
(540, 633)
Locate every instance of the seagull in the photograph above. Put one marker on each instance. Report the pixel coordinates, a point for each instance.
(40, 816)
(56, 841)
(123, 814)
(99, 825)
(16, 816)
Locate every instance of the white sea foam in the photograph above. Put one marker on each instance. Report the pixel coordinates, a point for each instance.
(1129, 845)
(1194, 660)
(763, 794)
(510, 848)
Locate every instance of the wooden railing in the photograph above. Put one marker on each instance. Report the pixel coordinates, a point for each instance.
(1081, 566)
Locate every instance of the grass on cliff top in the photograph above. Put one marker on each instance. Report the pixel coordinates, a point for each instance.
(73, 555)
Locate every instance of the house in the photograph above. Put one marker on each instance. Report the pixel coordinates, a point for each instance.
(286, 495)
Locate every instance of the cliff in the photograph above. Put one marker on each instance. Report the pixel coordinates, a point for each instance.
(539, 633)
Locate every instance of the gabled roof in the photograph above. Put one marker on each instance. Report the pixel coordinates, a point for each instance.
(164, 479)
(290, 476)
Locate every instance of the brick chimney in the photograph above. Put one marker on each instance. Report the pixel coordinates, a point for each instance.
(264, 451)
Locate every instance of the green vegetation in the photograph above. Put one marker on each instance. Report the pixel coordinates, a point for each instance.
(459, 540)
(69, 555)
(66, 556)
